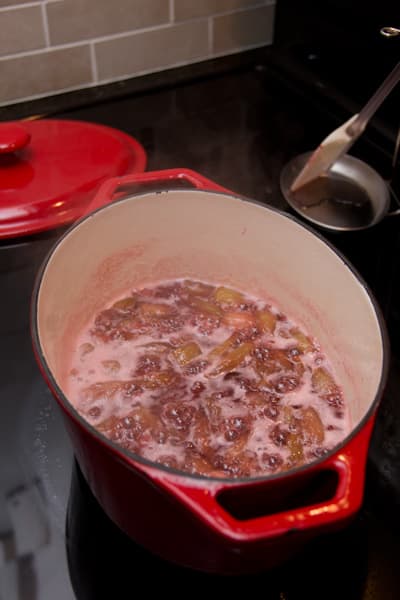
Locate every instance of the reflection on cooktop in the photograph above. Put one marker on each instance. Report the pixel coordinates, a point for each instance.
(105, 563)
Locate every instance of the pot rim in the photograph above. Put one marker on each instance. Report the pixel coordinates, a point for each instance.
(130, 457)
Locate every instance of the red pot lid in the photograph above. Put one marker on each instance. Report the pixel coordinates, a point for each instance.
(50, 170)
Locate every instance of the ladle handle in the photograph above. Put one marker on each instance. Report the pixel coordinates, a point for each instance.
(358, 125)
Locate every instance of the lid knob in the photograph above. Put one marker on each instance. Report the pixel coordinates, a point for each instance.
(12, 137)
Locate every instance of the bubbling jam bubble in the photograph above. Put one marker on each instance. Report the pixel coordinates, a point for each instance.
(207, 380)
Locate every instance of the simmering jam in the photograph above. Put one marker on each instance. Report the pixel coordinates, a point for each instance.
(207, 380)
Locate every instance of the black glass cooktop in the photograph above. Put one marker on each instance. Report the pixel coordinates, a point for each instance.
(238, 128)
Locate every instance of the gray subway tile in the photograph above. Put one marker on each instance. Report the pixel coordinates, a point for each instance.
(152, 50)
(74, 20)
(253, 27)
(21, 30)
(44, 72)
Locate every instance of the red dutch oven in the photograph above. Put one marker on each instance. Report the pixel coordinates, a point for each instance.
(206, 232)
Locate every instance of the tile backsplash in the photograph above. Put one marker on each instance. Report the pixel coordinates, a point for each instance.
(53, 46)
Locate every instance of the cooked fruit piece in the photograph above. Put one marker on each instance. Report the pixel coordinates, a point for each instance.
(232, 341)
(237, 464)
(111, 366)
(323, 382)
(85, 349)
(304, 343)
(271, 360)
(225, 295)
(139, 421)
(256, 400)
(184, 354)
(101, 390)
(202, 432)
(204, 307)
(239, 319)
(147, 363)
(157, 379)
(263, 405)
(169, 290)
(130, 388)
(197, 288)
(213, 410)
(289, 418)
(266, 320)
(126, 305)
(110, 423)
(153, 309)
(195, 463)
(157, 347)
(107, 319)
(143, 415)
(128, 327)
(312, 426)
(232, 359)
(295, 445)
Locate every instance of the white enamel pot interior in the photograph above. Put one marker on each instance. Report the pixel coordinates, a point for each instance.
(223, 239)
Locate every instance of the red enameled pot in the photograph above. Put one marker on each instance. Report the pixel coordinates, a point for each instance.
(203, 231)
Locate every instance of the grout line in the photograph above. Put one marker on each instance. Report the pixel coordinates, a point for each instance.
(45, 25)
(82, 44)
(19, 6)
(242, 49)
(210, 34)
(123, 34)
(104, 38)
(85, 42)
(172, 11)
(182, 63)
(49, 94)
(232, 11)
(93, 62)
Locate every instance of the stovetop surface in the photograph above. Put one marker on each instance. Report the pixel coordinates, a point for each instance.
(239, 129)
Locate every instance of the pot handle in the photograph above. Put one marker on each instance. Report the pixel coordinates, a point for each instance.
(118, 187)
(348, 464)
